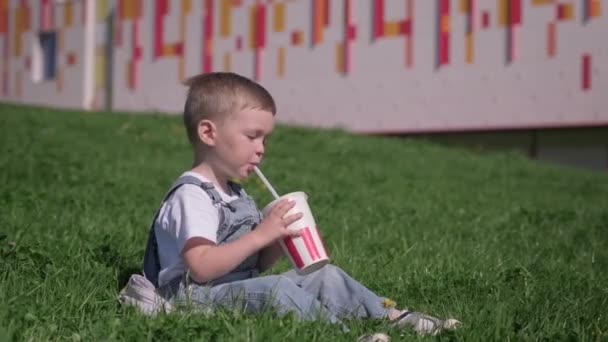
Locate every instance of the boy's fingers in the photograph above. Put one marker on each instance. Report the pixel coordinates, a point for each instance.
(283, 207)
(292, 218)
(294, 233)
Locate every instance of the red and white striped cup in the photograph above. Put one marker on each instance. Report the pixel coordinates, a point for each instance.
(306, 252)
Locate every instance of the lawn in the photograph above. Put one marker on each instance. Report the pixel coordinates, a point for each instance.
(515, 249)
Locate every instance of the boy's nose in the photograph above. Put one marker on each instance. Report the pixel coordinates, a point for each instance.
(260, 149)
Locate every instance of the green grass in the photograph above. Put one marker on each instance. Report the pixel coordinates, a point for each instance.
(515, 249)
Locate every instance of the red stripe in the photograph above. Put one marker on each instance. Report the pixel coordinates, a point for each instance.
(161, 7)
(485, 19)
(291, 248)
(134, 51)
(515, 12)
(378, 18)
(444, 48)
(444, 7)
(208, 36)
(350, 34)
(405, 27)
(261, 27)
(586, 76)
(310, 244)
(3, 20)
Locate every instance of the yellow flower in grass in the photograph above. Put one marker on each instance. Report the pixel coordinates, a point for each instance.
(388, 303)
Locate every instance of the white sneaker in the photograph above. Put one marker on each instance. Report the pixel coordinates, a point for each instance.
(425, 324)
(377, 337)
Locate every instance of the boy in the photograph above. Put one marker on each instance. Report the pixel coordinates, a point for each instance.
(209, 243)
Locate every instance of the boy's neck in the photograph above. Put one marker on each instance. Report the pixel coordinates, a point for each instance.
(206, 170)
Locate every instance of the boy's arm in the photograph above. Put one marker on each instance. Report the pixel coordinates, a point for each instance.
(269, 256)
(221, 259)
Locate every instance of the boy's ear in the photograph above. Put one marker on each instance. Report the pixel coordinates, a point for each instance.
(207, 132)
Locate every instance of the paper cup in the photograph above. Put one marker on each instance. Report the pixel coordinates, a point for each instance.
(306, 252)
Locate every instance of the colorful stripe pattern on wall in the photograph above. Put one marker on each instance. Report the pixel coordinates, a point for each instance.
(267, 20)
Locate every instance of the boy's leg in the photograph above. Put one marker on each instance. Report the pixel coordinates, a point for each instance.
(255, 295)
(346, 297)
(342, 294)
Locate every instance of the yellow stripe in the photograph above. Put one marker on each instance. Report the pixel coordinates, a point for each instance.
(503, 12)
(541, 2)
(464, 6)
(227, 62)
(278, 19)
(569, 11)
(168, 50)
(128, 7)
(186, 6)
(100, 66)
(67, 13)
(19, 84)
(252, 19)
(391, 28)
(101, 9)
(225, 18)
(470, 48)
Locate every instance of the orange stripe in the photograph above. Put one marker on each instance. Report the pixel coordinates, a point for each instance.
(551, 44)
(318, 21)
(339, 57)
(596, 8)
(445, 24)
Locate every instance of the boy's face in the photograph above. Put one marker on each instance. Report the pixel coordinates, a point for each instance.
(240, 141)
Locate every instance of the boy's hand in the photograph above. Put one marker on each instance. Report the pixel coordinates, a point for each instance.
(274, 225)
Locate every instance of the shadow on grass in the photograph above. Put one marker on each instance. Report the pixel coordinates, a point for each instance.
(125, 273)
(124, 267)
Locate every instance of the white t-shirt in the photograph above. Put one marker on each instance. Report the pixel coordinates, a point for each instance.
(187, 213)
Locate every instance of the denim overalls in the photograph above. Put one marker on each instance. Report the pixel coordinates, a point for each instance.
(328, 293)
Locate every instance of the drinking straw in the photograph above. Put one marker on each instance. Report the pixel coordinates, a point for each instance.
(266, 182)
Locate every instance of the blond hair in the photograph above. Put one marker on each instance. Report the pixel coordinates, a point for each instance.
(219, 94)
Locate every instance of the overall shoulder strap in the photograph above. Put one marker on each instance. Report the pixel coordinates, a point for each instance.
(151, 260)
(237, 188)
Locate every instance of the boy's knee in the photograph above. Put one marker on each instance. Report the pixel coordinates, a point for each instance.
(330, 273)
(278, 285)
